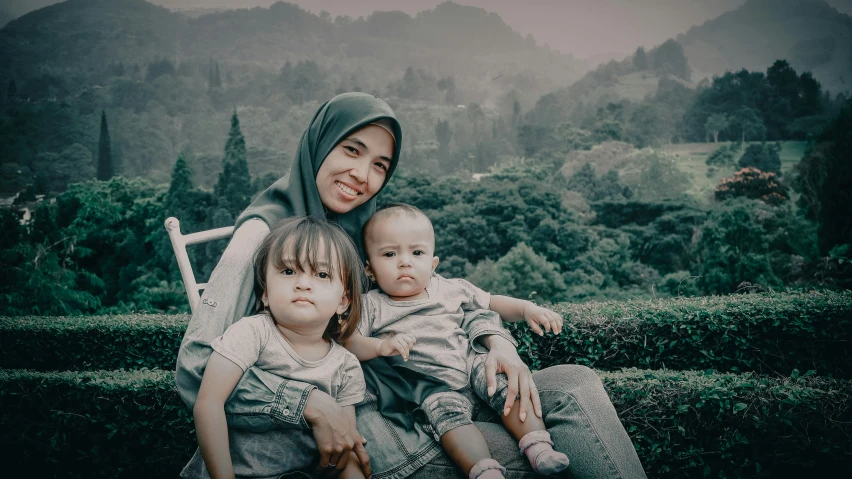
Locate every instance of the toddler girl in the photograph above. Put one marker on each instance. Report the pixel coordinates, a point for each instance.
(308, 277)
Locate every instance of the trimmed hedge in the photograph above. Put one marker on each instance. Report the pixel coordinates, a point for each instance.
(80, 343)
(684, 424)
(766, 333)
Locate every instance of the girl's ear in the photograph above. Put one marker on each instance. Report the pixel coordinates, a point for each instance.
(344, 303)
(264, 300)
(434, 263)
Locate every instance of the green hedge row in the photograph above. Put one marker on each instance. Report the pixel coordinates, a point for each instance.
(684, 424)
(765, 333)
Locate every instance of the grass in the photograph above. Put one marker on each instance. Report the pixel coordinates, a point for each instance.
(692, 157)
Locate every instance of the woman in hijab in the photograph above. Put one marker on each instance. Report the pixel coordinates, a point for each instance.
(345, 157)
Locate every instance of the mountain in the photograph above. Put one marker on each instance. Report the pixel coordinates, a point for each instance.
(810, 34)
(466, 42)
(5, 17)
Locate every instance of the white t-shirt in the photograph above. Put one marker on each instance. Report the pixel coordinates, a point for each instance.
(441, 349)
(255, 340)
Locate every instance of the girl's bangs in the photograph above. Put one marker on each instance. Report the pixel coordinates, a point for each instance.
(306, 247)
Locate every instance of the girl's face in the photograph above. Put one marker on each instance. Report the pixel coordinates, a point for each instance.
(304, 300)
(355, 169)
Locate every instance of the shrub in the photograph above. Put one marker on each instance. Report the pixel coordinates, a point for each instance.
(121, 424)
(752, 183)
(767, 333)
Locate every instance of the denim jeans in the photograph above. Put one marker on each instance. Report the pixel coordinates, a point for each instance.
(265, 412)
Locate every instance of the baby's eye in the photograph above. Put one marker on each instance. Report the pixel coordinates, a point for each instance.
(419, 252)
(388, 254)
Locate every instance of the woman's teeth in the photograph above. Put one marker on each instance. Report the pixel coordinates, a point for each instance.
(346, 189)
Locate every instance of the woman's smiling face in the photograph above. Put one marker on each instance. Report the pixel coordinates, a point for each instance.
(355, 170)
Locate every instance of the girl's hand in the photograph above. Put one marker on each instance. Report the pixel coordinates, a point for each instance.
(542, 319)
(335, 435)
(398, 344)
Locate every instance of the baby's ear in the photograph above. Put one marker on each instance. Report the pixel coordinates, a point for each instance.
(369, 271)
(435, 261)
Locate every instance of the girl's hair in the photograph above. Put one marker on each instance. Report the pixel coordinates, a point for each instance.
(309, 241)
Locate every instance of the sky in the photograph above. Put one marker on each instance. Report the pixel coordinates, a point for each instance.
(590, 29)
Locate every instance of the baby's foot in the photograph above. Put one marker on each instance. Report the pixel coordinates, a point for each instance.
(487, 469)
(538, 447)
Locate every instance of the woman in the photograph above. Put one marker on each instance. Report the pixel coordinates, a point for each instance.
(346, 156)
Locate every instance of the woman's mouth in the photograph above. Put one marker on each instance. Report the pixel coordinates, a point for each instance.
(347, 189)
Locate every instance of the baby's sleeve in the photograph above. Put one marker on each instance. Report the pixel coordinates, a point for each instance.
(475, 298)
(243, 341)
(352, 385)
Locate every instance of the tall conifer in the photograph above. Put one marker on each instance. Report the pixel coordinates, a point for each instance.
(233, 189)
(105, 166)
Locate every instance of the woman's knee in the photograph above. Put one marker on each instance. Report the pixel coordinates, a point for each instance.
(567, 377)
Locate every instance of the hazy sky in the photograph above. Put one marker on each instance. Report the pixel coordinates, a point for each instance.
(599, 29)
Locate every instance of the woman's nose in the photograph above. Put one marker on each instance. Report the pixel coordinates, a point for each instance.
(361, 171)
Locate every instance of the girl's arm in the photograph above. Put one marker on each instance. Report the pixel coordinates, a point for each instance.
(365, 348)
(220, 378)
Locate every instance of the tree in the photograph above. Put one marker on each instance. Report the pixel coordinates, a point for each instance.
(835, 197)
(748, 121)
(754, 184)
(521, 273)
(640, 59)
(448, 84)
(762, 156)
(716, 123)
(232, 191)
(106, 169)
(443, 134)
(516, 111)
(180, 187)
(722, 156)
(669, 59)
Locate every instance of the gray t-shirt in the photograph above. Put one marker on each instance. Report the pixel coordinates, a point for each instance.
(254, 340)
(441, 349)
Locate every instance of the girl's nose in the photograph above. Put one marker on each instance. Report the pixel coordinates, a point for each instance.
(303, 282)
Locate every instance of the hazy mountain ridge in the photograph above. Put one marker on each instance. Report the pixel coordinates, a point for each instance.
(810, 34)
(452, 39)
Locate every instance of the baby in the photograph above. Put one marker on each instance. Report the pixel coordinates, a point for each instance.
(415, 305)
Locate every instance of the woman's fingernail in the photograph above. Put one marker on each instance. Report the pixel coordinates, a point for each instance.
(523, 416)
(506, 411)
(491, 391)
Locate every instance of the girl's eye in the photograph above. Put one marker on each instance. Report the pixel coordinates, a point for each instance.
(389, 254)
(323, 275)
(288, 272)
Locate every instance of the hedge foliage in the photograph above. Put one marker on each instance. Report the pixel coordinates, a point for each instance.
(766, 333)
(684, 424)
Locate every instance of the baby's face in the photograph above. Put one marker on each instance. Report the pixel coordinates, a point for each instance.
(401, 252)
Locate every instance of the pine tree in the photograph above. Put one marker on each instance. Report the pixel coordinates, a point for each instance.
(217, 79)
(233, 189)
(105, 166)
(178, 196)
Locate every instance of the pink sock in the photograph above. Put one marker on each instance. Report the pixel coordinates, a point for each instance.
(538, 448)
(487, 469)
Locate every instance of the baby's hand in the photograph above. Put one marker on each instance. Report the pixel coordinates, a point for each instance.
(542, 318)
(397, 344)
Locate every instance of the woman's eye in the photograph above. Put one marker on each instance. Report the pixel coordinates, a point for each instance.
(382, 166)
(350, 149)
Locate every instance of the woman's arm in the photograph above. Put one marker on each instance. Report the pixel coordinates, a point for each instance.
(218, 382)
(503, 358)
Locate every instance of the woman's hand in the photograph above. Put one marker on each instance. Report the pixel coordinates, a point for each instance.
(542, 319)
(503, 358)
(397, 344)
(335, 435)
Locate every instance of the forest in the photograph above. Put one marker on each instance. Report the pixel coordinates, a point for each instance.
(544, 184)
